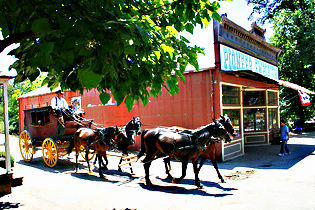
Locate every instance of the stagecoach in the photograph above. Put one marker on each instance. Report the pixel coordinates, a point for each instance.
(42, 131)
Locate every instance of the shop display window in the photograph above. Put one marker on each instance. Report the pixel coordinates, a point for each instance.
(254, 120)
(230, 95)
(234, 115)
(272, 98)
(254, 98)
(272, 116)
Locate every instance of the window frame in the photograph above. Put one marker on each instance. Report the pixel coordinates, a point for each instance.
(259, 98)
(235, 96)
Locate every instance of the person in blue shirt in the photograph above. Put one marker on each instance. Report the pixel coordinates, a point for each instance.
(284, 134)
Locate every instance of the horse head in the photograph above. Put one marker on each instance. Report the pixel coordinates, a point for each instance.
(109, 134)
(123, 142)
(133, 127)
(227, 123)
(217, 130)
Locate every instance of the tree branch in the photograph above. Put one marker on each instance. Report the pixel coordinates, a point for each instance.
(15, 38)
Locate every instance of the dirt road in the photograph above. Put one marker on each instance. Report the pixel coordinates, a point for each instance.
(258, 180)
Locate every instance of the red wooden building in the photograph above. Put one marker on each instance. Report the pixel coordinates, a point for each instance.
(243, 84)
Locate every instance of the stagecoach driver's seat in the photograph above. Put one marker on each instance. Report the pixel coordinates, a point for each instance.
(58, 103)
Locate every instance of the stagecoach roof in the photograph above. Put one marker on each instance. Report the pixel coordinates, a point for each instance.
(39, 91)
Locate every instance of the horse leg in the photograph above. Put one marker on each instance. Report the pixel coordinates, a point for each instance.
(184, 169)
(196, 171)
(131, 170)
(120, 161)
(167, 163)
(147, 173)
(214, 163)
(211, 153)
(203, 160)
(147, 163)
(87, 159)
(95, 160)
(100, 165)
(106, 160)
(76, 161)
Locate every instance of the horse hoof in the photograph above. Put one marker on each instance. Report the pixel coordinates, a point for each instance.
(119, 170)
(200, 186)
(223, 181)
(149, 183)
(173, 180)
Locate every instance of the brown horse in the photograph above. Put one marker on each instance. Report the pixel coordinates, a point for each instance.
(181, 146)
(209, 152)
(98, 140)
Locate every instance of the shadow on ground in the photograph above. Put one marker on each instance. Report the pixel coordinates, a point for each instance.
(266, 156)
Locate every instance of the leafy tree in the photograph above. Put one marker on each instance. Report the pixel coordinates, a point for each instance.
(294, 26)
(15, 91)
(269, 9)
(128, 47)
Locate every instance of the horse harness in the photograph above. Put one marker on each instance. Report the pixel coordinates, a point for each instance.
(102, 138)
(193, 143)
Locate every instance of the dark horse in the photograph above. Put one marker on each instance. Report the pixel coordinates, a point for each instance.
(181, 146)
(133, 127)
(209, 152)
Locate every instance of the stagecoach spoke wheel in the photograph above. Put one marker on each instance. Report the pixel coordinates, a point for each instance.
(50, 152)
(82, 152)
(26, 147)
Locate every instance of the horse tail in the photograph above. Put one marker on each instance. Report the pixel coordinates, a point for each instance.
(142, 150)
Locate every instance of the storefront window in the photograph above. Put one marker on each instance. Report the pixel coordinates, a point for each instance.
(230, 95)
(254, 119)
(254, 98)
(272, 119)
(272, 98)
(234, 115)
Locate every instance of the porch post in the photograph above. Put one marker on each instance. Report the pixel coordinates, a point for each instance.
(6, 127)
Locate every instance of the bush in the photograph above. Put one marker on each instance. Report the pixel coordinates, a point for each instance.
(2, 154)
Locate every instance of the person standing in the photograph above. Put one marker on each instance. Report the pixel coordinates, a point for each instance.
(284, 134)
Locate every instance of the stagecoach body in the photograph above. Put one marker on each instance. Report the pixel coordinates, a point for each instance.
(42, 131)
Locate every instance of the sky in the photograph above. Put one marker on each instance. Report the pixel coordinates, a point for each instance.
(237, 11)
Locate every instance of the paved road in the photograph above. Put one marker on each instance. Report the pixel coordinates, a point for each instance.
(258, 180)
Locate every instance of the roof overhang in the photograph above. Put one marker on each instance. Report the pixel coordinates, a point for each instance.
(259, 77)
(5, 79)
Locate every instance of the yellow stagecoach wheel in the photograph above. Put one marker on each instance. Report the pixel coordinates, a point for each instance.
(26, 147)
(50, 152)
(82, 152)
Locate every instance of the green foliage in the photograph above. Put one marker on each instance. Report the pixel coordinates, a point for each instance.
(128, 47)
(270, 9)
(2, 154)
(294, 26)
(15, 91)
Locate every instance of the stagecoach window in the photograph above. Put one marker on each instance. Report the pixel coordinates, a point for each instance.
(273, 122)
(254, 119)
(230, 95)
(234, 115)
(272, 98)
(254, 98)
(40, 118)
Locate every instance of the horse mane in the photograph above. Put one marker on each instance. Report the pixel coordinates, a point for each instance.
(201, 130)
